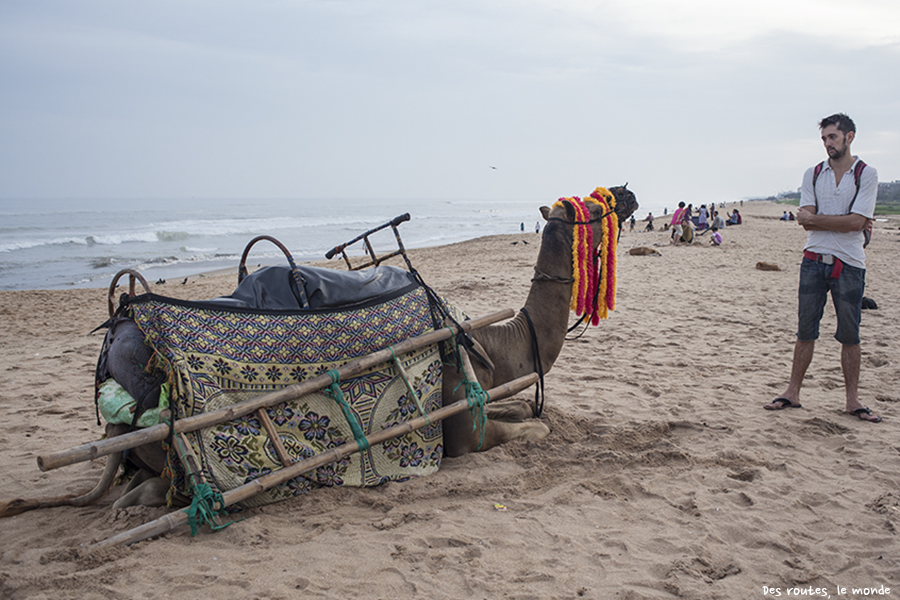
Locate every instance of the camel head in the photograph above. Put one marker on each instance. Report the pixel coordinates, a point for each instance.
(581, 237)
(626, 201)
(565, 212)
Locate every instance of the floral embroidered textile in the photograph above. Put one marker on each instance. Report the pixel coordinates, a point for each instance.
(218, 357)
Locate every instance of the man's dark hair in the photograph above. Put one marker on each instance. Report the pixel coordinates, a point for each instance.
(844, 123)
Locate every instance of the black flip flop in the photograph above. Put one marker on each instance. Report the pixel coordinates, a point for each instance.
(785, 403)
(866, 410)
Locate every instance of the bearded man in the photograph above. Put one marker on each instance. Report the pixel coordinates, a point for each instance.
(837, 203)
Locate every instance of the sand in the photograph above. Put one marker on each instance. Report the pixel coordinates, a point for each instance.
(663, 477)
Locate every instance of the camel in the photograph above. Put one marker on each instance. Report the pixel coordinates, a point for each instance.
(509, 345)
(506, 350)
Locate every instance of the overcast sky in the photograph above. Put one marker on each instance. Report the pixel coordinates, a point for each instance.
(702, 100)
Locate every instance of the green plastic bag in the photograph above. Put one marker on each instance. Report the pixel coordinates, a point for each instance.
(117, 406)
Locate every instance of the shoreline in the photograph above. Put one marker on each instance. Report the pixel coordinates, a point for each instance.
(181, 269)
(157, 268)
(177, 271)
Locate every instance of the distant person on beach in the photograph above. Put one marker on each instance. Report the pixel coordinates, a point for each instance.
(734, 218)
(676, 223)
(537, 227)
(718, 222)
(632, 222)
(687, 231)
(649, 221)
(784, 217)
(716, 239)
(703, 220)
(834, 214)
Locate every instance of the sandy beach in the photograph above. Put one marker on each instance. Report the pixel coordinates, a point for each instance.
(663, 476)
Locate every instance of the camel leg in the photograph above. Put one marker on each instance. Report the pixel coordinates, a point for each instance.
(500, 432)
(149, 492)
(140, 477)
(459, 437)
(511, 410)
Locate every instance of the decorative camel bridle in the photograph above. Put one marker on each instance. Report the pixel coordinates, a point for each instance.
(594, 275)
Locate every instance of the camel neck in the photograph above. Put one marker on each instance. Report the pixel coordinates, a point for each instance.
(510, 344)
(548, 304)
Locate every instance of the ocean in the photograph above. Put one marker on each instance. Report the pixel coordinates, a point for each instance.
(65, 243)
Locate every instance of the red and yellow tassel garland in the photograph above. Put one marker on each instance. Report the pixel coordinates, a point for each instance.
(606, 300)
(583, 270)
(589, 270)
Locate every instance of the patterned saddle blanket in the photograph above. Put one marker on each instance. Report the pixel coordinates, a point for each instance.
(218, 353)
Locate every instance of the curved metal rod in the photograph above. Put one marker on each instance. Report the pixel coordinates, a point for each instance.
(132, 274)
(242, 268)
(295, 272)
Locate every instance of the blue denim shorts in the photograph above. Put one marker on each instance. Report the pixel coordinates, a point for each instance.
(846, 295)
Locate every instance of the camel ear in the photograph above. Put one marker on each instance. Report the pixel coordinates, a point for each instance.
(545, 212)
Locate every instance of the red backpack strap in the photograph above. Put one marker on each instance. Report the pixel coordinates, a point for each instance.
(816, 172)
(857, 171)
(857, 174)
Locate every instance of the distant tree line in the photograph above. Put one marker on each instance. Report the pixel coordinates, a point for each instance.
(887, 201)
(889, 193)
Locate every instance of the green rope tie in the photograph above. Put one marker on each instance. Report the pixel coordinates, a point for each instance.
(452, 338)
(202, 509)
(410, 388)
(476, 398)
(338, 397)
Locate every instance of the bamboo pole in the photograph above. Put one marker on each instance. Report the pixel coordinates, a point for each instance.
(192, 469)
(172, 520)
(269, 426)
(409, 388)
(467, 365)
(157, 433)
(189, 460)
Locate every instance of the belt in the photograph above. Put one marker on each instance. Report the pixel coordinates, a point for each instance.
(827, 259)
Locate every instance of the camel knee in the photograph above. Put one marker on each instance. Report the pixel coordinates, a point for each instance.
(140, 477)
(513, 410)
(528, 431)
(149, 492)
(501, 432)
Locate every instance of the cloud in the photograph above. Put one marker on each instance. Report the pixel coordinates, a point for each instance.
(415, 99)
(707, 25)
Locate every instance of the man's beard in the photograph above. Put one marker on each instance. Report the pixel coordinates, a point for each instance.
(837, 153)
